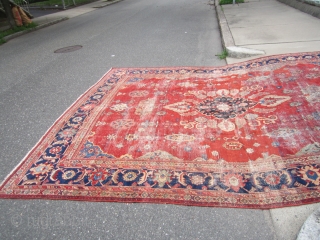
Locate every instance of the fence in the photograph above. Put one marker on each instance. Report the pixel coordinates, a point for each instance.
(55, 4)
(48, 4)
(23, 4)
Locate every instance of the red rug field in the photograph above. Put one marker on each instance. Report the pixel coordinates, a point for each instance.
(244, 135)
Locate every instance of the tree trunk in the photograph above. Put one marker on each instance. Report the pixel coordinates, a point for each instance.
(7, 9)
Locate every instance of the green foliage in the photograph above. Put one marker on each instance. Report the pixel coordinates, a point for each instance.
(223, 55)
(223, 2)
(15, 30)
(2, 41)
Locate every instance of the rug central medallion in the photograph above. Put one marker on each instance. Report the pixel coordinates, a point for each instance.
(225, 107)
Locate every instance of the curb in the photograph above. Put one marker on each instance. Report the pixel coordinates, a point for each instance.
(303, 7)
(18, 34)
(227, 39)
(311, 228)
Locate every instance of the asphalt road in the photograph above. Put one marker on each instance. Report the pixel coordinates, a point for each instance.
(37, 85)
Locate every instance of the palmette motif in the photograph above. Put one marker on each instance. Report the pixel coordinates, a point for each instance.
(245, 135)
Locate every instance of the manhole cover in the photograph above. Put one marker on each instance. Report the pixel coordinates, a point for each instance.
(68, 49)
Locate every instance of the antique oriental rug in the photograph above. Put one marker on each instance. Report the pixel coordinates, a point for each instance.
(244, 135)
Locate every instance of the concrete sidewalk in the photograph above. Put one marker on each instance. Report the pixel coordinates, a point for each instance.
(268, 26)
(260, 28)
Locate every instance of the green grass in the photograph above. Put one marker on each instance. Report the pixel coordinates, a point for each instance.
(223, 2)
(223, 55)
(15, 30)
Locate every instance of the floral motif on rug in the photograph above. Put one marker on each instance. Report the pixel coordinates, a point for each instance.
(245, 135)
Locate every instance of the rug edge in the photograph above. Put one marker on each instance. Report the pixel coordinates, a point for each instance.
(222, 66)
(158, 201)
(9, 175)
